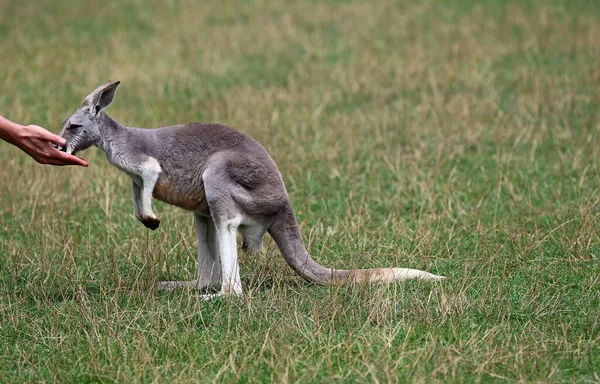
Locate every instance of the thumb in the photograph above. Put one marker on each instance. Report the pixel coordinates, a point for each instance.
(57, 140)
(43, 134)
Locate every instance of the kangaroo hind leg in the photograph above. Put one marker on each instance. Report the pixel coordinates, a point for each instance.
(209, 266)
(227, 217)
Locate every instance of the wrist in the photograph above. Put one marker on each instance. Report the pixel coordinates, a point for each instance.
(10, 131)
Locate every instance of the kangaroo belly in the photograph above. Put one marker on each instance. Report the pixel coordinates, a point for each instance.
(190, 197)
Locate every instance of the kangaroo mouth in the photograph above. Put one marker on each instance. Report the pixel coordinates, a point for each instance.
(63, 148)
(60, 147)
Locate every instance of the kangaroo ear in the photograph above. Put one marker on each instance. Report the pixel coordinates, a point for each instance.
(101, 97)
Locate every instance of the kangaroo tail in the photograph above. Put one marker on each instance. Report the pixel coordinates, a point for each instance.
(287, 236)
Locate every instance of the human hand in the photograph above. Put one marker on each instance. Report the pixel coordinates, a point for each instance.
(37, 143)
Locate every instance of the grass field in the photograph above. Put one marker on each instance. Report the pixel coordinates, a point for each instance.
(455, 137)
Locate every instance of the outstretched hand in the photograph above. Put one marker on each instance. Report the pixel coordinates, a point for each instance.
(37, 143)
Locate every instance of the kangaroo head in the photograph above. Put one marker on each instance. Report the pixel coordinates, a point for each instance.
(83, 128)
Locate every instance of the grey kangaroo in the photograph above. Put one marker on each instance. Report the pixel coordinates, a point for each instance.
(224, 177)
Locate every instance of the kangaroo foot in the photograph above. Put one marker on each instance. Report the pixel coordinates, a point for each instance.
(168, 286)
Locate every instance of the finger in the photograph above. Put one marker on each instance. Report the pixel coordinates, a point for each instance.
(67, 159)
(50, 161)
(46, 135)
(51, 137)
(63, 162)
(61, 158)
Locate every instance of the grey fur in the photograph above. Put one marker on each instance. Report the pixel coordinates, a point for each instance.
(222, 175)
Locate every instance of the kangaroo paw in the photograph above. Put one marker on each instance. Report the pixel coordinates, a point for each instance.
(150, 222)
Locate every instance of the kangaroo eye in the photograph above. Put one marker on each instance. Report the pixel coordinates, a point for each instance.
(74, 126)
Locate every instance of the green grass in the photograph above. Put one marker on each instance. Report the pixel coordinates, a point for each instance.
(457, 137)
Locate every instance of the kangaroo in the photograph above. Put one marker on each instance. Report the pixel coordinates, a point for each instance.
(225, 178)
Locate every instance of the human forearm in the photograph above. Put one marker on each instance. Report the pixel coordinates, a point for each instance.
(9, 130)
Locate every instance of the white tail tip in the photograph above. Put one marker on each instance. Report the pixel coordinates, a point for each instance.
(408, 274)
